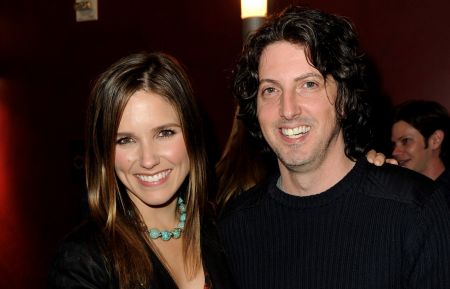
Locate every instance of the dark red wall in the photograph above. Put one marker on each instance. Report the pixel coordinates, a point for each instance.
(408, 43)
(48, 63)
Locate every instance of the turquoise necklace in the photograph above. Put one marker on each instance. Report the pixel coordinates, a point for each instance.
(176, 232)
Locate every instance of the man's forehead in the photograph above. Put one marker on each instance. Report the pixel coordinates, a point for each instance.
(284, 57)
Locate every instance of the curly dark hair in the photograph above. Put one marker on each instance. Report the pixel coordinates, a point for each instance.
(331, 46)
(426, 116)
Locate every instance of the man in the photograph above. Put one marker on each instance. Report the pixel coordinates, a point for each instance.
(329, 219)
(420, 134)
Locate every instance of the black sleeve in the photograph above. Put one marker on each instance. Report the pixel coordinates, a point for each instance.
(79, 263)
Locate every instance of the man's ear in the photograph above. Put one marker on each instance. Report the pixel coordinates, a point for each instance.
(436, 139)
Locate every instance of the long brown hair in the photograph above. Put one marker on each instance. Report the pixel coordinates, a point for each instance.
(127, 243)
(243, 164)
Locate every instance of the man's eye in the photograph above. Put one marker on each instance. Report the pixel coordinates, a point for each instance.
(268, 91)
(166, 133)
(124, 140)
(310, 84)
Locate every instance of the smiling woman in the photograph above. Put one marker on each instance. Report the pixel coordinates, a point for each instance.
(151, 157)
(146, 175)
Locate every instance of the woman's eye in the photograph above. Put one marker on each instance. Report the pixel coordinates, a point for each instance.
(166, 133)
(124, 140)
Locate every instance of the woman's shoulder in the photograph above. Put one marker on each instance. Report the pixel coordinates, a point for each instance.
(85, 239)
(80, 260)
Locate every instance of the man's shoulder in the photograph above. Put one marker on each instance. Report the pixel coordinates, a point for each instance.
(246, 200)
(398, 184)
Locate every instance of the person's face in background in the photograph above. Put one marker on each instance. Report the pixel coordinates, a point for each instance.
(295, 107)
(409, 147)
(151, 159)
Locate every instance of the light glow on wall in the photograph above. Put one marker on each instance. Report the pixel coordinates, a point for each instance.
(4, 151)
(14, 244)
(253, 8)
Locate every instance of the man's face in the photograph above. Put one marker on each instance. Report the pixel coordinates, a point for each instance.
(295, 108)
(409, 147)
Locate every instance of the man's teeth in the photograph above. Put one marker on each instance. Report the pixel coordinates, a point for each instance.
(154, 178)
(294, 132)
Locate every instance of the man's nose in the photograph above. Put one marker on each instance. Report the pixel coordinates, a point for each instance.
(289, 105)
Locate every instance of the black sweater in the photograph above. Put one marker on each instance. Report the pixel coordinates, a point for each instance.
(379, 227)
(443, 183)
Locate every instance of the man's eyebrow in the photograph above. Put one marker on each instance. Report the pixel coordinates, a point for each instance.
(310, 74)
(268, 80)
(301, 77)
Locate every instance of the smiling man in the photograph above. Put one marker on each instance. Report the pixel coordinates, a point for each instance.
(328, 219)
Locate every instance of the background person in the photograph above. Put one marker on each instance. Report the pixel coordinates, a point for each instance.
(420, 138)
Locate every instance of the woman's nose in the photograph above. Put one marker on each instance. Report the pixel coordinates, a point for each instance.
(149, 156)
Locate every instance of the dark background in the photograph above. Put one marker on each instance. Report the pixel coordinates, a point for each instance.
(48, 63)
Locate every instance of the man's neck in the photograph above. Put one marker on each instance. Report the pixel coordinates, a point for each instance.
(329, 172)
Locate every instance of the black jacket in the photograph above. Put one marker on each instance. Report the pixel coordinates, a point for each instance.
(79, 262)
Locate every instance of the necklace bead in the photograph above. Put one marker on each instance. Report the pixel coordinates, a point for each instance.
(176, 232)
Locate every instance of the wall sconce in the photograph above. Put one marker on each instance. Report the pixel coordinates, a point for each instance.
(253, 14)
(86, 10)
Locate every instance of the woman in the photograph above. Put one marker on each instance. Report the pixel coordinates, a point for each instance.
(146, 174)
(244, 152)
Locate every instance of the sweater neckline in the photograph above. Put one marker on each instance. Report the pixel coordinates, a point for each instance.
(347, 185)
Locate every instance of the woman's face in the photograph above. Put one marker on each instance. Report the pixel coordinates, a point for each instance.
(151, 159)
